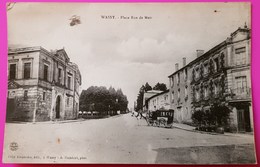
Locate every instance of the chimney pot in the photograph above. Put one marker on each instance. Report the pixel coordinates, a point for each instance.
(199, 52)
(176, 66)
(184, 61)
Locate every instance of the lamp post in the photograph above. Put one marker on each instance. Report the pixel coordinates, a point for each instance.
(116, 105)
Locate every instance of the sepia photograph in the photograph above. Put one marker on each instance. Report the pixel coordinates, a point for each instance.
(129, 83)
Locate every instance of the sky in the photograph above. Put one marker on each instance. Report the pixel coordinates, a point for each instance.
(126, 53)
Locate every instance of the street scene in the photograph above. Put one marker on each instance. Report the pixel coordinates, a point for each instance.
(124, 139)
(157, 83)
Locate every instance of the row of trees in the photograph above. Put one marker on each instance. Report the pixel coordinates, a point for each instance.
(145, 88)
(102, 99)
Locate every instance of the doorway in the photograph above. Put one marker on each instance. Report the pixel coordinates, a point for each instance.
(243, 119)
(58, 107)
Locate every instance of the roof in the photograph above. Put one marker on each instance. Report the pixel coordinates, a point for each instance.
(164, 92)
(223, 43)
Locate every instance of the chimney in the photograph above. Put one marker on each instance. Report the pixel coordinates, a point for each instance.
(200, 52)
(184, 61)
(176, 66)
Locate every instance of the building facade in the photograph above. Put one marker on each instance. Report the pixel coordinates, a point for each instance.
(42, 85)
(159, 101)
(180, 93)
(220, 76)
(147, 95)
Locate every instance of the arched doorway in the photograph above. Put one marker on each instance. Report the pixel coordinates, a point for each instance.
(58, 107)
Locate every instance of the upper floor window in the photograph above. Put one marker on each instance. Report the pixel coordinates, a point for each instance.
(12, 71)
(27, 70)
(60, 75)
(45, 72)
(197, 73)
(185, 74)
(178, 78)
(186, 92)
(206, 92)
(69, 82)
(206, 69)
(197, 94)
(240, 56)
(165, 97)
(179, 92)
(216, 65)
(215, 89)
(172, 81)
(241, 84)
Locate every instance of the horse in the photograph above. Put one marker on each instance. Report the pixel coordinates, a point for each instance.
(139, 115)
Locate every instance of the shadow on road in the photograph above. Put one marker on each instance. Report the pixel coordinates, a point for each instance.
(226, 154)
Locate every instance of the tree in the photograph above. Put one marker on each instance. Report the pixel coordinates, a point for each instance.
(160, 86)
(142, 90)
(102, 99)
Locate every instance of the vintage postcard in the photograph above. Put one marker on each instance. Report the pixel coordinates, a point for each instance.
(129, 83)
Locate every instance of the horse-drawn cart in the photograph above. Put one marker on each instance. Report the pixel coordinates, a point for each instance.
(161, 118)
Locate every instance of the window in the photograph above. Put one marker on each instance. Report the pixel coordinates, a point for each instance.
(178, 95)
(185, 74)
(240, 56)
(172, 96)
(166, 97)
(172, 81)
(25, 95)
(12, 74)
(206, 92)
(27, 71)
(241, 84)
(215, 89)
(69, 82)
(45, 72)
(59, 75)
(197, 74)
(206, 69)
(216, 65)
(68, 101)
(197, 93)
(44, 96)
(186, 92)
(178, 78)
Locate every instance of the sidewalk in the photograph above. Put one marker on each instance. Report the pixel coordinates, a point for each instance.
(183, 126)
(62, 121)
(192, 129)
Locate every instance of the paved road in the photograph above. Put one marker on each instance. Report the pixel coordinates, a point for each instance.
(122, 139)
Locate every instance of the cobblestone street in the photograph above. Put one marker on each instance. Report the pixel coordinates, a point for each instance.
(122, 139)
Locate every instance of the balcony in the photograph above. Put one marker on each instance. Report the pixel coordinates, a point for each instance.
(243, 93)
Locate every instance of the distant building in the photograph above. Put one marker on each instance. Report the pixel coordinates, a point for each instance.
(159, 101)
(42, 85)
(219, 76)
(147, 95)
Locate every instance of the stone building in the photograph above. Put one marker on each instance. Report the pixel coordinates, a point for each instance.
(159, 101)
(147, 95)
(219, 76)
(42, 85)
(180, 93)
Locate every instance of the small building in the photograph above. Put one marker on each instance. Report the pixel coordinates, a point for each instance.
(159, 101)
(147, 95)
(42, 85)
